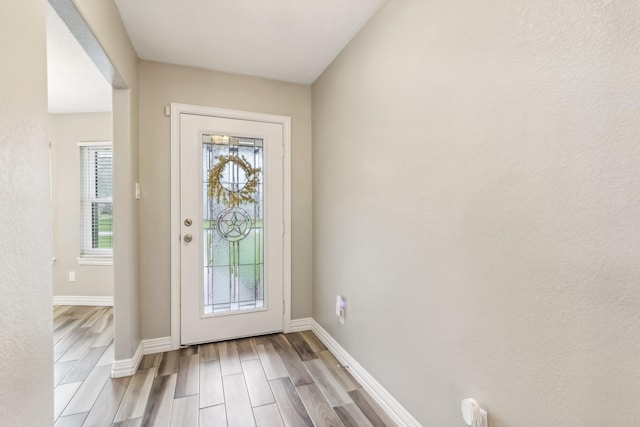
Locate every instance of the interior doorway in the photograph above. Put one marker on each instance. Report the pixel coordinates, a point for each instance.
(80, 133)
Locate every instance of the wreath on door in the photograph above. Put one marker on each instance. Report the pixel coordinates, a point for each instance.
(229, 196)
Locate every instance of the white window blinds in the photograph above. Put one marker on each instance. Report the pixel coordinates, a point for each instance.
(96, 208)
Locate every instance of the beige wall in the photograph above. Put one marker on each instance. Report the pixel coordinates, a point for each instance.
(65, 132)
(161, 84)
(475, 183)
(26, 374)
(103, 18)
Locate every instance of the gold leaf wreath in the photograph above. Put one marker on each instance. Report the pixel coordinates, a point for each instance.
(228, 197)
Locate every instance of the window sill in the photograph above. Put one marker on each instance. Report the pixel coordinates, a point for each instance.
(95, 261)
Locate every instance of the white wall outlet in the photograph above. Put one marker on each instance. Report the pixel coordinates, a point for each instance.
(473, 414)
(340, 307)
(72, 276)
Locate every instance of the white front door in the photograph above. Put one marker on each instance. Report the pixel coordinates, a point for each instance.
(231, 231)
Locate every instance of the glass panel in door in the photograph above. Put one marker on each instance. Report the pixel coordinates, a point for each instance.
(232, 225)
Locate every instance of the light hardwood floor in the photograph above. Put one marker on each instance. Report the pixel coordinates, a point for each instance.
(276, 380)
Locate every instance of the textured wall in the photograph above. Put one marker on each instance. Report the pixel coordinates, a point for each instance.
(476, 169)
(161, 84)
(26, 374)
(65, 132)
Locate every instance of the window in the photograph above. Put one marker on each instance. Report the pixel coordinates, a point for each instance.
(96, 208)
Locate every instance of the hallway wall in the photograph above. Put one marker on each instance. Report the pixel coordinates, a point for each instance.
(26, 371)
(475, 199)
(103, 18)
(65, 132)
(161, 84)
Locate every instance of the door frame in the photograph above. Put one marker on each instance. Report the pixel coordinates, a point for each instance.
(178, 109)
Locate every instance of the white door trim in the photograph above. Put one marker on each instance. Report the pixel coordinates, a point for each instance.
(176, 110)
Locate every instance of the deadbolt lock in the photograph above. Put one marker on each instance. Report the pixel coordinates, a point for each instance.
(188, 222)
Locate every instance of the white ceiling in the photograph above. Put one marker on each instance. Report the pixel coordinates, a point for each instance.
(289, 40)
(74, 83)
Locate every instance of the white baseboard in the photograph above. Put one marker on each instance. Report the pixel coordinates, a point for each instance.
(127, 367)
(156, 345)
(388, 403)
(303, 324)
(83, 300)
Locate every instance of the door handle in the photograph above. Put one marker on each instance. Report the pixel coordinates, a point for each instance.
(188, 238)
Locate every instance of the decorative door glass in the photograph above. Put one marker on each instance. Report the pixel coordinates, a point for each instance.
(232, 224)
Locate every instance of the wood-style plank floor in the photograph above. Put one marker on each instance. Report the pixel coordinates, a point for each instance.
(276, 380)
